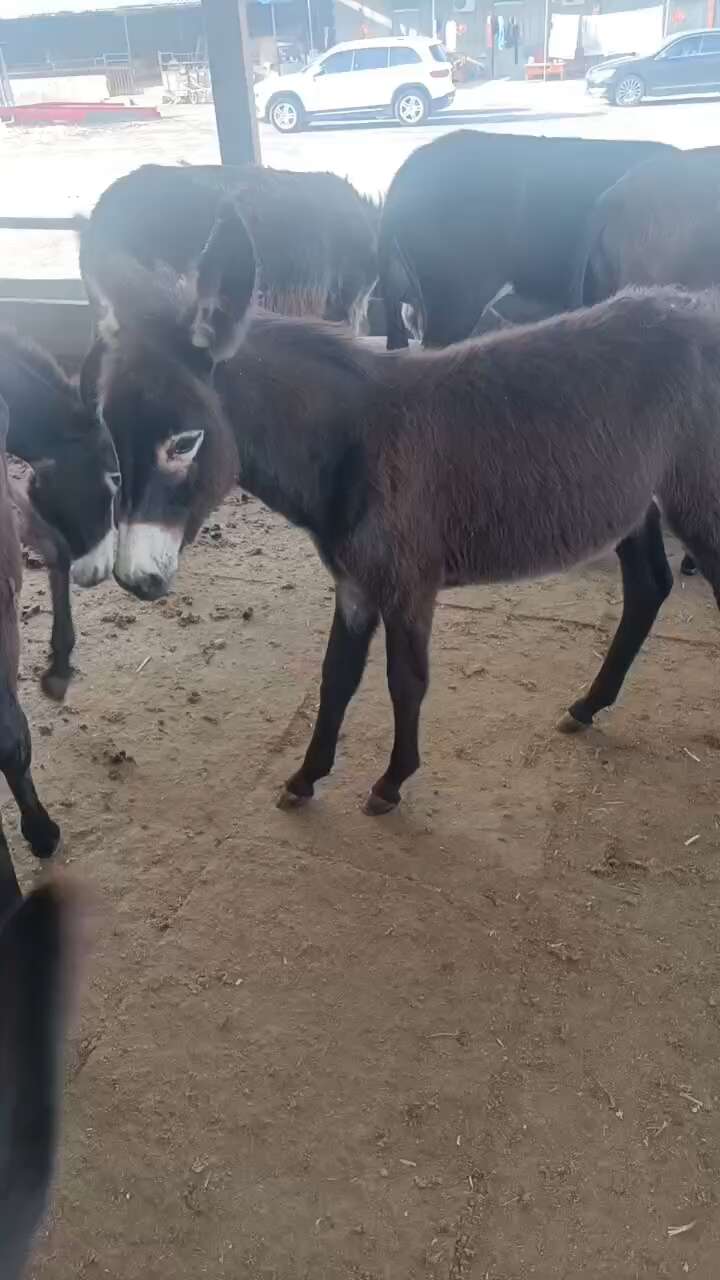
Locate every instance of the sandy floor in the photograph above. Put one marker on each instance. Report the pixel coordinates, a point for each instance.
(476, 1040)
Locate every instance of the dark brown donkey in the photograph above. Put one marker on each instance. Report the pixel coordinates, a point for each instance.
(39, 830)
(507, 457)
(471, 212)
(37, 941)
(67, 508)
(315, 237)
(657, 225)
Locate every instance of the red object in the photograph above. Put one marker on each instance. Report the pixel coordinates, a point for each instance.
(76, 113)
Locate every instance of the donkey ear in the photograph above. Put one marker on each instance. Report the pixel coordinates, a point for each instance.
(4, 422)
(225, 287)
(90, 376)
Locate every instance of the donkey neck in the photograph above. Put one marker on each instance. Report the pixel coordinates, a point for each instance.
(294, 397)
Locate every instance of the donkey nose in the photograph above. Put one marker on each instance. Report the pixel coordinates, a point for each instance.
(148, 586)
(152, 586)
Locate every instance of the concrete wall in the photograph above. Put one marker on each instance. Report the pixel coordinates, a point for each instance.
(59, 89)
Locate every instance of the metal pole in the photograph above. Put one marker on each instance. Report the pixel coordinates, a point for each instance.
(311, 38)
(6, 93)
(546, 48)
(129, 49)
(228, 55)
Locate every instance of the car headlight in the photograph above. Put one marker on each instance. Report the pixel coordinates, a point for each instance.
(600, 76)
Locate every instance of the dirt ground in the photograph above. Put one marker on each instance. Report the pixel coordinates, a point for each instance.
(474, 1040)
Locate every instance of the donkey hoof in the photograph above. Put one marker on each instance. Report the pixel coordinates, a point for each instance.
(54, 686)
(570, 724)
(288, 800)
(375, 806)
(688, 567)
(44, 836)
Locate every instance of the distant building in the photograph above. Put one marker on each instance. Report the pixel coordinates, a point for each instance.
(71, 38)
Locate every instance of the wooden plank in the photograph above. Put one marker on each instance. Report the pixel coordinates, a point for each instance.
(40, 224)
(62, 327)
(71, 290)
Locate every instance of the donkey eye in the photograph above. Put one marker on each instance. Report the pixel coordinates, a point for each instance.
(114, 481)
(188, 443)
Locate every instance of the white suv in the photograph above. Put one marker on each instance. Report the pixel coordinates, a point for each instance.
(404, 78)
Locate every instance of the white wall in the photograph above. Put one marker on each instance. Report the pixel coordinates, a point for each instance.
(59, 89)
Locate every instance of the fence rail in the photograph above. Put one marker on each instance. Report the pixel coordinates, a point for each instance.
(67, 66)
(40, 224)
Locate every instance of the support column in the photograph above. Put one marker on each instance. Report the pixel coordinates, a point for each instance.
(231, 76)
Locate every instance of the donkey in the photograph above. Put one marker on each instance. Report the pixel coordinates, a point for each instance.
(315, 237)
(414, 472)
(36, 946)
(472, 212)
(67, 509)
(41, 833)
(657, 225)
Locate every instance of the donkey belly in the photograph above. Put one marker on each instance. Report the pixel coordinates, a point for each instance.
(545, 537)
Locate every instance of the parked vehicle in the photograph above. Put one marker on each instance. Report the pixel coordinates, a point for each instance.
(683, 66)
(405, 78)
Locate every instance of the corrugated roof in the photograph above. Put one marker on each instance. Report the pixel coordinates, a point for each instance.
(47, 8)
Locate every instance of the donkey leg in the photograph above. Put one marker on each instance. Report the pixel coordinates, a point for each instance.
(407, 642)
(705, 547)
(9, 888)
(688, 567)
(51, 546)
(343, 666)
(41, 833)
(56, 678)
(397, 334)
(647, 582)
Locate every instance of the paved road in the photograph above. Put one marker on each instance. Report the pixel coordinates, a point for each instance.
(61, 171)
(370, 154)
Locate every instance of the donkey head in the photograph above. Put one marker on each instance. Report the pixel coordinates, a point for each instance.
(75, 473)
(74, 489)
(150, 379)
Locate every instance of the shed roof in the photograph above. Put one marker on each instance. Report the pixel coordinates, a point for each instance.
(49, 8)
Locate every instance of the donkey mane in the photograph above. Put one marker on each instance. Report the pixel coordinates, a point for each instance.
(295, 339)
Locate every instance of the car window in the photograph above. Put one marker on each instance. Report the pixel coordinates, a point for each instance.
(401, 57)
(711, 42)
(372, 59)
(337, 62)
(684, 48)
(438, 53)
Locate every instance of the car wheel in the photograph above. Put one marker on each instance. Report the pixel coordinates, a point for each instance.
(411, 106)
(629, 91)
(286, 114)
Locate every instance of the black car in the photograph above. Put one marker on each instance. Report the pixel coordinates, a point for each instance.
(683, 65)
